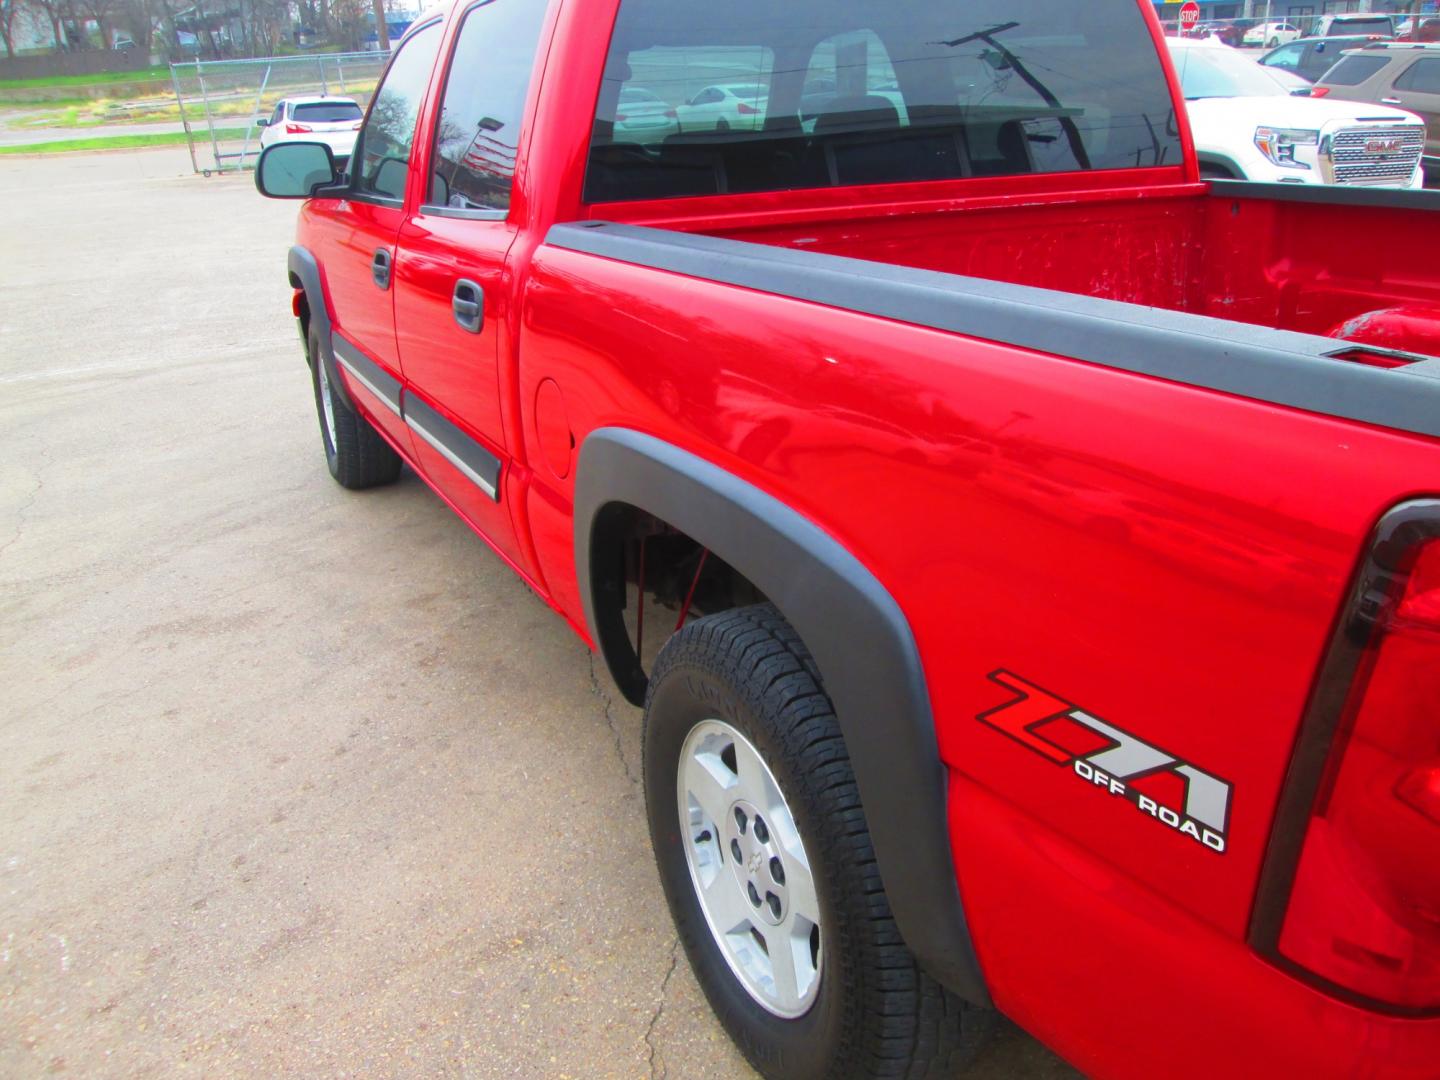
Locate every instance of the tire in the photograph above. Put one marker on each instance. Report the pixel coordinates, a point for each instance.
(737, 696)
(356, 454)
(1274, 43)
(722, 125)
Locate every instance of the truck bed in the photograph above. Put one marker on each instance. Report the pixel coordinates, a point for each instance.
(1297, 259)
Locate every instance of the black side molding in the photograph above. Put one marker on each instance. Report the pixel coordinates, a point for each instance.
(853, 627)
(1257, 362)
(479, 466)
(1328, 194)
(365, 371)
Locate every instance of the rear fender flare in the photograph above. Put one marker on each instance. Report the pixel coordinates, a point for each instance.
(855, 631)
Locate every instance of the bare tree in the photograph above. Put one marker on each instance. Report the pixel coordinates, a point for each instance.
(9, 9)
(56, 11)
(102, 12)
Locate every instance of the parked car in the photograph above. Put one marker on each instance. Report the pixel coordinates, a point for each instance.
(725, 107)
(331, 120)
(1248, 124)
(1051, 553)
(1271, 34)
(642, 116)
(1406, 76)
(1230, 32)
(1427, 31)
(1353, 23)
(1310, 58)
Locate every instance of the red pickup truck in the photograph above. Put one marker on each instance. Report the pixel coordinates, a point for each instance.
(1049, 539)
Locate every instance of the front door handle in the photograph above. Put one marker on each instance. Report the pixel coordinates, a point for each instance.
(380, 268)
(1389, 101)
(468, 304)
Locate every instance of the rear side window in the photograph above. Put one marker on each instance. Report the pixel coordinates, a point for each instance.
(811, 93)
(327, 112)
(1353, 70)
(388, 136)
(1421, 77)
(484, 99)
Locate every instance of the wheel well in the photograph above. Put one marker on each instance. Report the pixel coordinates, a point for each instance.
(1217, 168)
(641, 563)
(304, 305)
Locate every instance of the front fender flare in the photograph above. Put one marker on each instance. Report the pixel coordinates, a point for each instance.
(853, 628)
(305, 274)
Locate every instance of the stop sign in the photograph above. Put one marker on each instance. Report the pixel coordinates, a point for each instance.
(1189, 15)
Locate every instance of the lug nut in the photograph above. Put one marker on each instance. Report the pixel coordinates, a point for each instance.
(761, 832)
(735, 850)
(777, 872)
(754, 895)
(740, 820)
(774, 902)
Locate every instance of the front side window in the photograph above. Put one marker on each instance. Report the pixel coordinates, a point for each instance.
(811, 93)
(388, 136)
(483, 104)
(1287, 57)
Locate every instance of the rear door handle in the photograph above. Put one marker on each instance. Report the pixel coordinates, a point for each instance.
(1389, 101)
(380, 268)
(468, 304)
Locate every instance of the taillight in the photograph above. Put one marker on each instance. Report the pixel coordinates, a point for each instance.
(747, 110)
(1351, 892)
(671, 114)
(297, 129)
(620, 116)
(357, 125)
(1319, 91)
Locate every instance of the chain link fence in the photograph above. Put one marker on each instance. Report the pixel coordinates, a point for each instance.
(221, 101)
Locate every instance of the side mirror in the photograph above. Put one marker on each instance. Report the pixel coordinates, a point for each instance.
(293, 170)
(264, 121)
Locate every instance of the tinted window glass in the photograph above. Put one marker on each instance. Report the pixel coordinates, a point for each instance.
(1353, 70)
(389, 132)
(1421, 77)
(328, 112)
(1287, 57)
(1378, 25)
(480, 112)
(835, 92)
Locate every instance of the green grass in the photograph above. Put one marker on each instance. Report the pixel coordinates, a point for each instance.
(142, 75)
(118, 142)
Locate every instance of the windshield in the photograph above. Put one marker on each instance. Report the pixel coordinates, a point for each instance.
(1210, 73)
(327, 112)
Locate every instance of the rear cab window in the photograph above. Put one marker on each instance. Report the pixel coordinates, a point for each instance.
(815, 94)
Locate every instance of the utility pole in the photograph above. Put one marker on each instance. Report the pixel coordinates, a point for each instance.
(382, 31)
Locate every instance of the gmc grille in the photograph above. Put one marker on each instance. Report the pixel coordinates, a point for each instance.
(1349, 161)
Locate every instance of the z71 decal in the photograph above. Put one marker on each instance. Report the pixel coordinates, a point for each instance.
(1114, 760)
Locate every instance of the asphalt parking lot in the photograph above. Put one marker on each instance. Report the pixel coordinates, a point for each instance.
(293, 781)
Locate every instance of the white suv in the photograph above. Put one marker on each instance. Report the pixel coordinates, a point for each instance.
(1248, 125)
(334, 121)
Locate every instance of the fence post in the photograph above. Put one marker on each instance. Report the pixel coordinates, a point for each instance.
(320, 63)
(209, 119)
(184, 120)
(254, 114)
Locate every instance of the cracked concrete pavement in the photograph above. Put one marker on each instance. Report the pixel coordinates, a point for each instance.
(293, 781)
